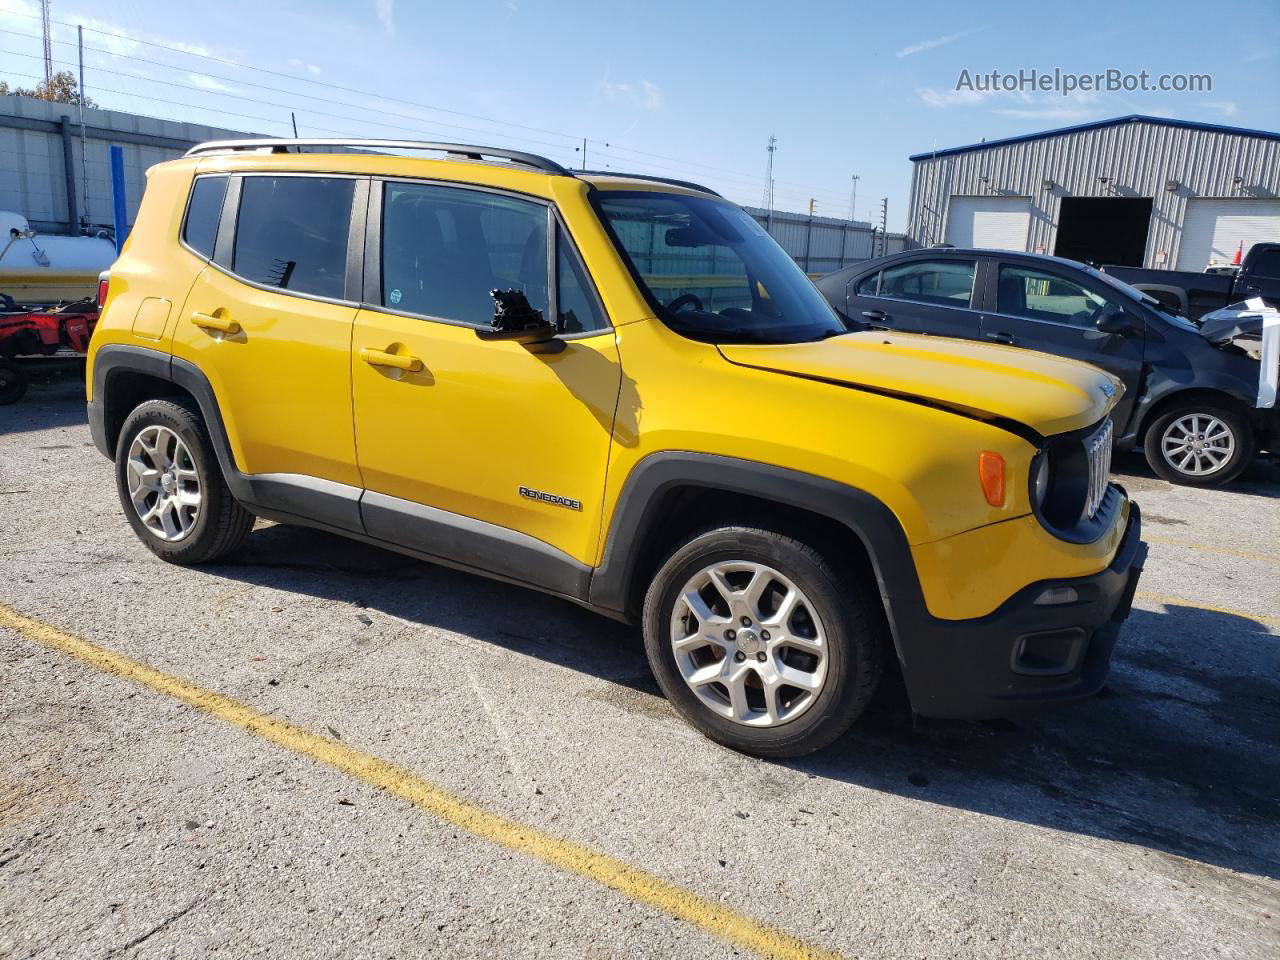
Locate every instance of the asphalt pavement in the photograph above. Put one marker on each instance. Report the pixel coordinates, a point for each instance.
(138, 819)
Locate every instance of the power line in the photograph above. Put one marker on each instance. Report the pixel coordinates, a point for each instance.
(285, 106)
(681, 165)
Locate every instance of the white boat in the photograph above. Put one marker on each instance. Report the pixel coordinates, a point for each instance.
(38, 270)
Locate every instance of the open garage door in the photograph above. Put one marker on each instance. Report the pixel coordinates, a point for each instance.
(1213, 229)
(997, 223)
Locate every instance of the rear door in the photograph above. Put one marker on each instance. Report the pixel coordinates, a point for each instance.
(269, 321)
(1044, 309)
(927, 295)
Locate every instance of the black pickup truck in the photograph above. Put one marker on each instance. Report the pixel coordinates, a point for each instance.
(1195, 294)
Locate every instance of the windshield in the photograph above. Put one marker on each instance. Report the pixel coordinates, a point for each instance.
(713, 272)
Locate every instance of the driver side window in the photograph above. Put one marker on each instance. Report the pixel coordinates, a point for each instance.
(1037, 295)
(445, 248)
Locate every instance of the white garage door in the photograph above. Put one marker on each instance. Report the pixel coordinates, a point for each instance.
(997, 223)
(1214, 229)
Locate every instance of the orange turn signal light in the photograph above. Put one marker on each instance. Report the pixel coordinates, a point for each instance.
(991, 473)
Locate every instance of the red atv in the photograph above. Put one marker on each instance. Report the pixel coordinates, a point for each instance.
(27, 336)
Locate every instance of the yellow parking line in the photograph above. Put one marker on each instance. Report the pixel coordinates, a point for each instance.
(632, 882)
(1209, 548)
(1180, 602)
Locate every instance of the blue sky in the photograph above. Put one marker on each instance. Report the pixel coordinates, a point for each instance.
(687, 89)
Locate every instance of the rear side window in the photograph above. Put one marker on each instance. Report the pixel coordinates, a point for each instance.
(444, 249)
(204, 210)
(292, 233)
(947, 283)
(1267, 265)
(578, 310)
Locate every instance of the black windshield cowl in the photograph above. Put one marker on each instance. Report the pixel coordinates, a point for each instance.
(711, 272)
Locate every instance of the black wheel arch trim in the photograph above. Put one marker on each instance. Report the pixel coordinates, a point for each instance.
(659, 473)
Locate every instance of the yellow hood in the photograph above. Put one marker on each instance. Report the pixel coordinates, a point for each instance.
(1048, 394)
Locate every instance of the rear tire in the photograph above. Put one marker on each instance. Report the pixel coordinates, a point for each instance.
(1199, 443)
(829, 642)
(171, 487)
(13, 382)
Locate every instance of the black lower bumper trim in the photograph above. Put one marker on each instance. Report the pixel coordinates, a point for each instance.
(1023, 654)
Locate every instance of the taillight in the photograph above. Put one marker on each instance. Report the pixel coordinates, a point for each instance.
(991, 474)
(103, 284)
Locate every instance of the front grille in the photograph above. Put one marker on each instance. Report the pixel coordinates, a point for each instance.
(1099, 448)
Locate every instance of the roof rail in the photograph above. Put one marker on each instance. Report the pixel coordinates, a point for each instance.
(688, 184)
(458, 151)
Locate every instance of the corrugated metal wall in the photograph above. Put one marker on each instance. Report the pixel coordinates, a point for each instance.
(825, 244)
(32, 179)
(1141, 158)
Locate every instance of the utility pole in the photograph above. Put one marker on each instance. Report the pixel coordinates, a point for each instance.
(768, 180)
(884, 226)
(84, 154)
(853, 199)
(811, 205)
(584, 153)
(48, 44)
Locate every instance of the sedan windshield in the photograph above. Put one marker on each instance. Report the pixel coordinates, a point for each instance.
(712, 273)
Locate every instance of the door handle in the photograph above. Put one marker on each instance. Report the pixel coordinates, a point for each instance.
(874, 317)
(1005, 338)
(380, 358)
(207, 321)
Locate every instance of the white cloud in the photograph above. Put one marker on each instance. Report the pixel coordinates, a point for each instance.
(1015, 103)
(303, 65)
(645, 95)
(924, 45)
(1256, 56)
(384, 9)
(942, 99)
(1046, 113)
(1227, 108)
(209, 83)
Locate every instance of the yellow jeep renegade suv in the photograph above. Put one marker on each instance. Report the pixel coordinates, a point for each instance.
(617, 389)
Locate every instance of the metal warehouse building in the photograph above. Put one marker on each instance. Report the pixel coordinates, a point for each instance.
(1135, 191)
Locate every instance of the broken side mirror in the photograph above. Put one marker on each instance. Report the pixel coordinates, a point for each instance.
(1115, 320)
(516, 320)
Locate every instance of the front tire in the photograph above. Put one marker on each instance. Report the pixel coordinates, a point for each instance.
(171, 487)
(1199, 444)
(760, 643)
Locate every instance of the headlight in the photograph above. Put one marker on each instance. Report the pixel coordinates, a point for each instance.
(1069, 480)
(1040, 478)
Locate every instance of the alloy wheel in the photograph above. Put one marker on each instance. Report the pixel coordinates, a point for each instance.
(163, 484)
(749, 643)
(1198, 444)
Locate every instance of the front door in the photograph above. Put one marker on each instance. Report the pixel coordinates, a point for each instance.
(1041, 309)
(919, 296)
(514, 437)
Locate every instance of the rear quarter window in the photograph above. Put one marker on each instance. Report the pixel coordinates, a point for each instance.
(204, 210)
